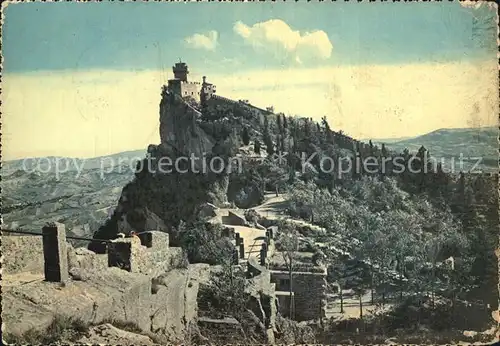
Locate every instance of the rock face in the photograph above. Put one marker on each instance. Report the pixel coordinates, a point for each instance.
(179, 127)
(111, 294)
(174, 303)
(161, 196)
(22, 254)
(110, 335)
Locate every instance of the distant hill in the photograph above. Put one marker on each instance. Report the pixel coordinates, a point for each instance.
(82, 199)
(386, 140)
(450, 143)
(74, 163)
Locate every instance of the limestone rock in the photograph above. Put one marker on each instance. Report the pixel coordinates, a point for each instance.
(179, 129)
(207, 210)
(111, 335)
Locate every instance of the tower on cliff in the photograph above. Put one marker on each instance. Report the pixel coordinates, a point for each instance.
(179, 84)
(180, 71)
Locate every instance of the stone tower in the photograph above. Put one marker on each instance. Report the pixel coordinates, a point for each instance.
(180, 71)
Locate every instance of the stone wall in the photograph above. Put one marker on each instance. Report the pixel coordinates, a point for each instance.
(108, 294)
(309, 292)
(191, 89)
(153, 258)
(157, 290)
(233, 218)
(22, 254)
(263, 293)
(82, 263)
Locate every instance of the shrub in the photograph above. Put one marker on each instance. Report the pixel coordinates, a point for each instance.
(225, 294)
(204, 243)
(252, 216)
(61, 328)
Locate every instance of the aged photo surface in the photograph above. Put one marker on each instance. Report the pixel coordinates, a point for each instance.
(249, 173)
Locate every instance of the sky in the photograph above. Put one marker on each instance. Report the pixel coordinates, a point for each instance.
(84, 79)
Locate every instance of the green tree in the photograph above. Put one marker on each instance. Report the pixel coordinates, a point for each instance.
(278, 122)
(288, 245)
(268, 142)
(245, 136)
(256, 146)
(225, 294)
(204, 243)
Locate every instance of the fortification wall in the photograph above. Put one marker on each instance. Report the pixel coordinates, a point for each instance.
(217, 99)
(191, 89)
(22, 254)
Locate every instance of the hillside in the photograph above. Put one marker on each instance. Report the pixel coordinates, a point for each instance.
(450, 143)
(357, 237)
(81, 198)
(84, 201)
(49, 164)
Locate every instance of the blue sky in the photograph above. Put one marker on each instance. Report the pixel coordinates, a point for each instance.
(54, 36)
(84, 79)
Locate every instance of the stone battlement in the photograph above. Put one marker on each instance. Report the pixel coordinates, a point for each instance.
(149, 253)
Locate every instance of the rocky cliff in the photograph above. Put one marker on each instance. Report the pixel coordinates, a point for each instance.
(161, 195)
(179, 128)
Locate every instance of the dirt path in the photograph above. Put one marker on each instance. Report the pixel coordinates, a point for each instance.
(351, 306)
(274, 208)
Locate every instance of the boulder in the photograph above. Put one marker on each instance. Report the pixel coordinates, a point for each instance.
(207, 210)
(235, 219)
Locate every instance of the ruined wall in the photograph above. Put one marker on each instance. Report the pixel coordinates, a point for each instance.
(22, 254)
(157, 293)
(152, 257)
(309, 292)
(263, 293)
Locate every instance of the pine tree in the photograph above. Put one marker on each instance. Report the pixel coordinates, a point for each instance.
(256, 146)
(328, 130)
(245, 136)
(384, 150)
(269, 144)
(278, 122)
(285, 122)
(307, 129)
(282, 144)
(370, 143)
(267, 139)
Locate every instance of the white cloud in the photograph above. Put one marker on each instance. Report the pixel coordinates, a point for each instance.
(376, 101)
(206, 41)
(477, 4)
(279, 38)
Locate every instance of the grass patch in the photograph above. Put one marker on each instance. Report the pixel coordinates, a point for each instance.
(61, 328)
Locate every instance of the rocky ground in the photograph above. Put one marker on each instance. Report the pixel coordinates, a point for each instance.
(111, 335)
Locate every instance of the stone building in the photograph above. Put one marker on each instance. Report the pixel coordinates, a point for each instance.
(308, 287)
(207, 90)
(180, 85)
